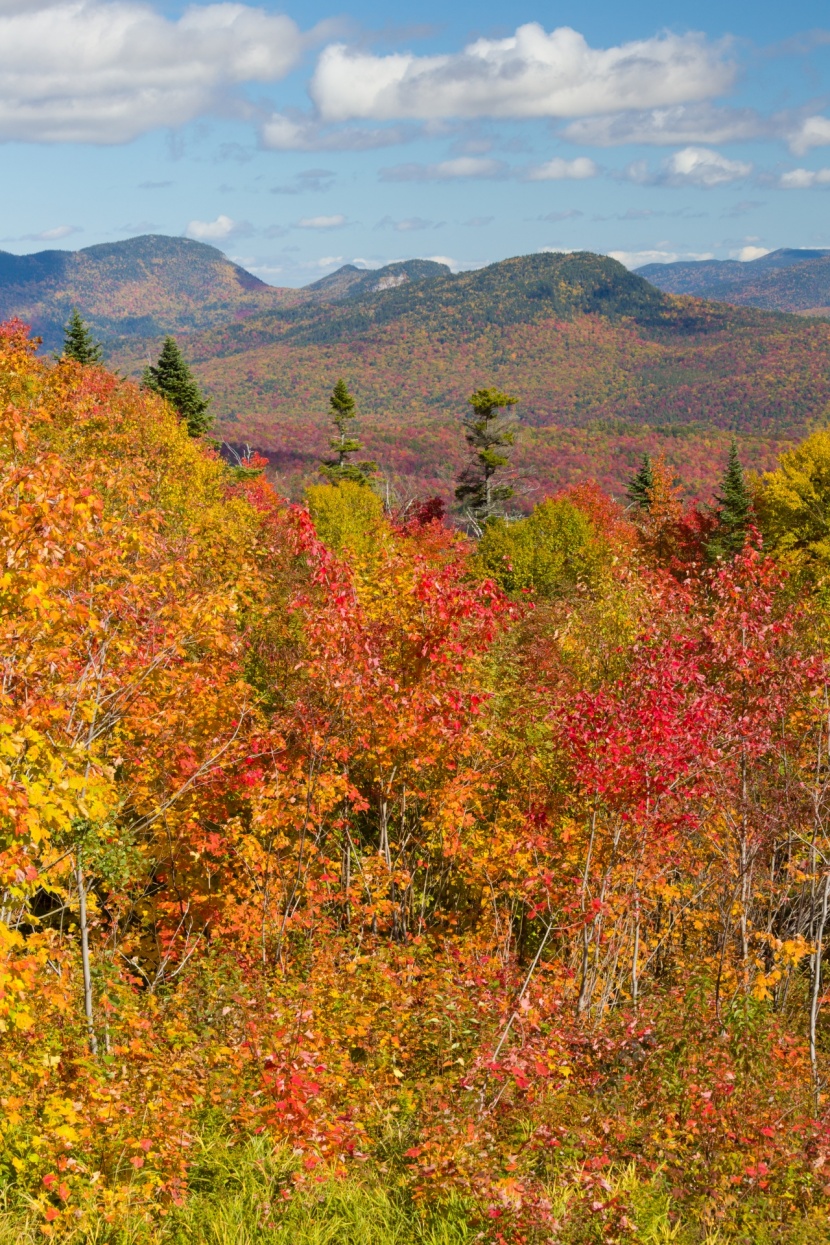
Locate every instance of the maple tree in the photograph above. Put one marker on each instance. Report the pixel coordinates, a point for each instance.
(496, 873)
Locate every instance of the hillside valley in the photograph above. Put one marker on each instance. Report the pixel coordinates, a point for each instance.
(605, 364)
(605, 367)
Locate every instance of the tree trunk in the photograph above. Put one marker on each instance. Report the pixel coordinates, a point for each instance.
(79, 876)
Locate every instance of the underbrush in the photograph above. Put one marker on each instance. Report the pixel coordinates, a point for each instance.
(249, 1193)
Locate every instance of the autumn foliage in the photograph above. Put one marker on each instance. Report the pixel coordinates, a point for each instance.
(509, 884)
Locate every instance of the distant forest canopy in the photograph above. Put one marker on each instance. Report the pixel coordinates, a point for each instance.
(606, 366)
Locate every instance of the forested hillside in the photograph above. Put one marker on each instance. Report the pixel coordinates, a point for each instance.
(783, 280)
(605, 367)
(360, 881)
(140, 287)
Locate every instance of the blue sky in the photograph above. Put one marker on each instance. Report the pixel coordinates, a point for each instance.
(300, 138)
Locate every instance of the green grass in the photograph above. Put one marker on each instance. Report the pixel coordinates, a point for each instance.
(237, 1198)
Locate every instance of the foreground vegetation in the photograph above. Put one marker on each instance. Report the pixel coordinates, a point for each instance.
(360, 881)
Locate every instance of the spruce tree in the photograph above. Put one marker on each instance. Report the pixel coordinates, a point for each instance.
(641, 485)
(172, 378)
(488, 432)
(733, 510)
(78, 342)
(337, 469)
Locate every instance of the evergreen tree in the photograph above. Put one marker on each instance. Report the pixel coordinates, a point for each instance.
(172, 378)
(488, 432)
(734, 508)
(641, 485)
(337, 469)
(78, 342)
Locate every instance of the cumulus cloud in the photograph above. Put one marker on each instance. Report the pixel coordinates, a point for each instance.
(638, 259)
(804, 179)
(532, 73)
(693, 166)
(297, 131)
(106, 71)
(563, 170)
(213, 230)
(670, 127)
(747, 253)
(322, 222)
(446, 170)
(812, 132)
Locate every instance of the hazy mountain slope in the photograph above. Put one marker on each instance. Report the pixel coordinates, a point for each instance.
(605, 366)
(144, 286)
(351, 282)
(155, 285)
(784, 280)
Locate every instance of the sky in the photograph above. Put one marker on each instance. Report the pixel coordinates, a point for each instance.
(301, 138)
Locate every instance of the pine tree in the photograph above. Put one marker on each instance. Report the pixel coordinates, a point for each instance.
(172, 378)
(337, 469)
(641, 485)
(78, 342)
(734, 509)
(488, 432)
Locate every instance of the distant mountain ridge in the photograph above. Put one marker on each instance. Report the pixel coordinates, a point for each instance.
(790, 280)
(153, 285)
(604, 363)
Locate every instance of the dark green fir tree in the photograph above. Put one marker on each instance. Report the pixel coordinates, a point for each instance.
(733, 511)
(173, 380)
(78, 342)
(639, 490)
(489, 432)
(342, 406)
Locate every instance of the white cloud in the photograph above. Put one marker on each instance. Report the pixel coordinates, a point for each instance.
(700, 166)
(638, 259)
(202, 230)
(321, 222)
(813, 132)
(457, 265)
(561, 170)
(446, 170)
(747, 253)
(530, 74)
(670, 127)
(805, 179)
(296, 131)
(106, 71)
(693, 166)
(53, 235)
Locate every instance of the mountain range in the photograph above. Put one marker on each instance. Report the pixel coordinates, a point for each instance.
(783, 280)
(605, 364)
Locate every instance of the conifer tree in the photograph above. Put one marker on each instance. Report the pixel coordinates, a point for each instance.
(78, 342)
(337, 469)
(734, 508)
(488, 432)
(173, 380)
(641, 485)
